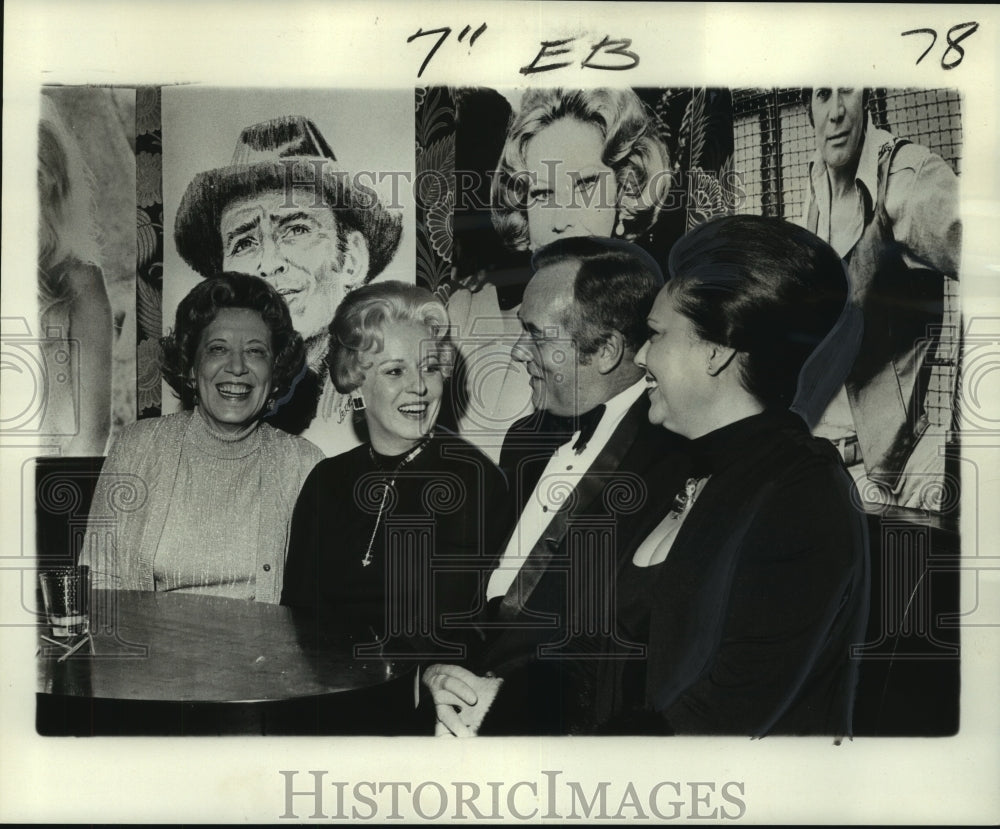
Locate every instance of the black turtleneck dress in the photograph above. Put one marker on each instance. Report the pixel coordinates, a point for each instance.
(428, 540)
(749, 620)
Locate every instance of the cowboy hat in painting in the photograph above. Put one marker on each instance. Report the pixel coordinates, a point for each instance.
(282, 155)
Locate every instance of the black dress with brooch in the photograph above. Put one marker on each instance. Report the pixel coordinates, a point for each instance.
(750, 618)
(389, 548)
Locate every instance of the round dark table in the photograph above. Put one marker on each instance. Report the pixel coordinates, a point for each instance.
(178, 663)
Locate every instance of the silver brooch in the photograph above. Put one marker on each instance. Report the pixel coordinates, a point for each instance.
(684, 498)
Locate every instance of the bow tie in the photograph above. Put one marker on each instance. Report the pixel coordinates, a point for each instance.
(564, 427)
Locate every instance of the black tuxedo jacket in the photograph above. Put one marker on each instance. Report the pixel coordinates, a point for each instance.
(546, 634)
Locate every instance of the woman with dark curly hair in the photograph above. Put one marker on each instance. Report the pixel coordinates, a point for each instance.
(387, 536)
(200, 501)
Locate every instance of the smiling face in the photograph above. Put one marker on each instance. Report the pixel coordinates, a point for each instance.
(839, 120)
(297, 250)
(402, 387)
(572, 191)
(559, 383)
(675, 359)
(233, 368)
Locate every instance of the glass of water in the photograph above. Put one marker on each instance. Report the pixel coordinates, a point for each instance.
(66, 594)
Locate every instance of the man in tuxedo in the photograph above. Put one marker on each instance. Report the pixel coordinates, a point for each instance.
(579, 470)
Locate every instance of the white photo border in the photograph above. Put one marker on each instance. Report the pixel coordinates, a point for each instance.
(319, 44)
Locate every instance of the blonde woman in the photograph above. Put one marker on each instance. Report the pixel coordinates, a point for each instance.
(74, 311)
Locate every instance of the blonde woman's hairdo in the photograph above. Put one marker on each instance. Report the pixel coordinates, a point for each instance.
(67, 227)
(359, 326)
(632, 148)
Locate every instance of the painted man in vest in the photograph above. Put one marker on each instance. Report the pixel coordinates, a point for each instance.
(285, 211)
(890, 209)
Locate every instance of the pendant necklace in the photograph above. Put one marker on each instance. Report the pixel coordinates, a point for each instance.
(390, 483)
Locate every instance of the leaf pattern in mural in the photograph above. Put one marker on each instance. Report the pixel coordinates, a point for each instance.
(145, 238)
(148, 310)
(704, 197)
(433, 272)
(733, 194)
(148, 381)
(662, 109)
(709, 192)
(440, 198)
(693, 128)
(148, 179)
(435, 191)
(147, 110)
(149, 249)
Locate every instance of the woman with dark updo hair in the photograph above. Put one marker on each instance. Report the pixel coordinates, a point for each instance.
(751, 585)
(200, 501)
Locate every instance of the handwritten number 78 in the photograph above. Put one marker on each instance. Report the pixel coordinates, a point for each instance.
(953, 43)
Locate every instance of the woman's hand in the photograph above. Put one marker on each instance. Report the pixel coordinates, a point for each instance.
(461, 698)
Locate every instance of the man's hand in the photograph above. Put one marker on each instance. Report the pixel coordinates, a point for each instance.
(461, 698)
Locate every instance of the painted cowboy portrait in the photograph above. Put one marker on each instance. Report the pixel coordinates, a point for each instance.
(286, 211)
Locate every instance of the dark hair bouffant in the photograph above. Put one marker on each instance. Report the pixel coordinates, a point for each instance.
(202, 305)
(766, 288)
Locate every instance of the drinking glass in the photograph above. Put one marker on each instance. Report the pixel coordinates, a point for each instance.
(66, 594)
